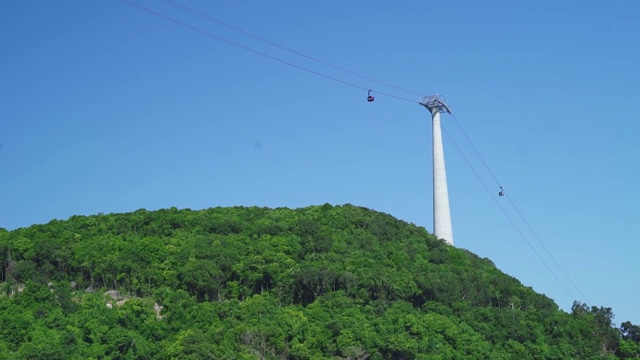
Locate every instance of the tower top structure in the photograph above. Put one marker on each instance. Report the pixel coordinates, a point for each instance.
(435, 102)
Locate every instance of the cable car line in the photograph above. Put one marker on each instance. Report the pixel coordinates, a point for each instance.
(254, 51)
(475, 149)
(545, 248)
(370, 98)
(506, 214)
(282, 47)
(502, 193)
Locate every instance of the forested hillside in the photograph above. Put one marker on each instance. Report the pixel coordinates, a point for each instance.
(322, 282)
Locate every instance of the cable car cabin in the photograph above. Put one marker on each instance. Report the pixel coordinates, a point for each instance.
(369, 97)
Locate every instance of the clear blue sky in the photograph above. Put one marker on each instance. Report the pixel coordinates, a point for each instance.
(104, 108)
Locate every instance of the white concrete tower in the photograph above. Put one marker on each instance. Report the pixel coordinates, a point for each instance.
(441, 213)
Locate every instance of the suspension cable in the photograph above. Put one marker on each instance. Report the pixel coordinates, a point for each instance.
(506, 214)
(282, 47)
(475, 149)
(254, 51)
(545, 248)
(484, 163)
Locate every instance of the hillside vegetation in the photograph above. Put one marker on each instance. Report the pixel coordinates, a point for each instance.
(322, 282)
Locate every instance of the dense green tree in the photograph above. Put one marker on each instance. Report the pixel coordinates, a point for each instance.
(629, 347)
(321, 282)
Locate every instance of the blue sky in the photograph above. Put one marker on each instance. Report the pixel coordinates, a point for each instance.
(104, 108)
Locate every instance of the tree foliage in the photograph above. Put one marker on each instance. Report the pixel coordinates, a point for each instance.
(340, 282)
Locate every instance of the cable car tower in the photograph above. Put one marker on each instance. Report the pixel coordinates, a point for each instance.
(441, 213)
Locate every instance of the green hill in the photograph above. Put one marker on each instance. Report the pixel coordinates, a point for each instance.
(320, 282)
